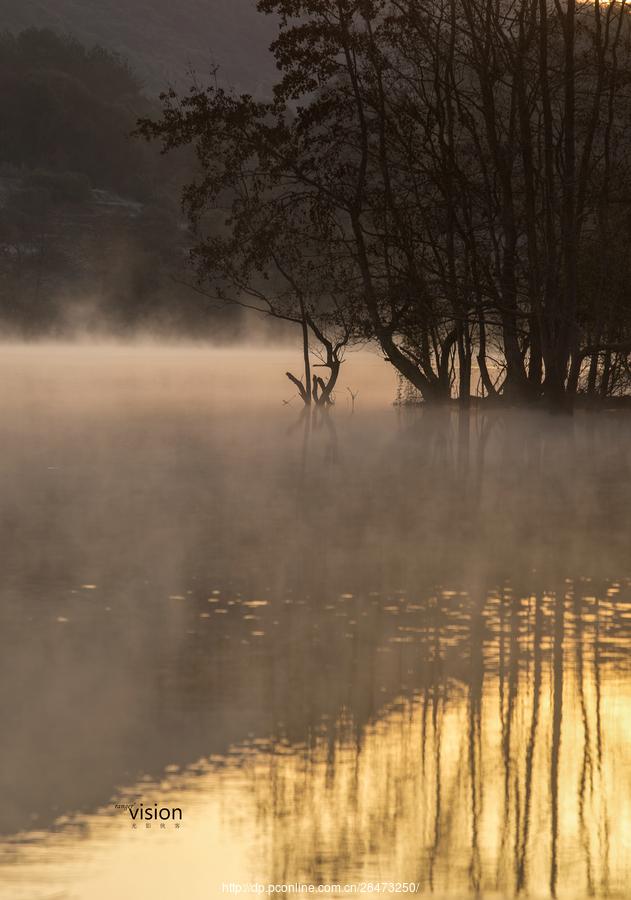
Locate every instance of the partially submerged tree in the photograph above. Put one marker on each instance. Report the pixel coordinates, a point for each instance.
(443, 174)
(259, 243)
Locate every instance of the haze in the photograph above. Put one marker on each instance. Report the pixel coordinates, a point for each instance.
(329, 643)
(315, 379)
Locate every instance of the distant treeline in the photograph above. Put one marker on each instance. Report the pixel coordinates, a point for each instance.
(163, 39)
(90, 226)
(65, 108)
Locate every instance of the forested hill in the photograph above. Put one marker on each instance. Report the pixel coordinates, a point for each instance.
(89, 221)
(165, 39)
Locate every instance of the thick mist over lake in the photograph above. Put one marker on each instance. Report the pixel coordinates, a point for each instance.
(387, 644)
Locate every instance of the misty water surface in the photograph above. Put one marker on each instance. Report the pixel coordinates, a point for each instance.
(383, 646)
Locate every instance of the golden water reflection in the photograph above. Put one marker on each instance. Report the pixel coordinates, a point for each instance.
(382, 644)
(504, 770)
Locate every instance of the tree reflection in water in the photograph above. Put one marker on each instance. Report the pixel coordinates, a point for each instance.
(394, 642)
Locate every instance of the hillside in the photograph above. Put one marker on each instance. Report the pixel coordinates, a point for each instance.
(163, 40)
(89, 225)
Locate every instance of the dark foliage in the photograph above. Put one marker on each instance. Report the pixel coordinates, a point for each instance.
(164, 39)
(465, 165)
(65, 108)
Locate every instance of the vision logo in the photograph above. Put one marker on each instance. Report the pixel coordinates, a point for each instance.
(151, 814)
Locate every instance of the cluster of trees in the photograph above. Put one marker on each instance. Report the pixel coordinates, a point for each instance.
(450, 180)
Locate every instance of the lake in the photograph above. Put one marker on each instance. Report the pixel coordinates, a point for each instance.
(386, 647)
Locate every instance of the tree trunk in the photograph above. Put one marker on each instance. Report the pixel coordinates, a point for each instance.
(305, 351)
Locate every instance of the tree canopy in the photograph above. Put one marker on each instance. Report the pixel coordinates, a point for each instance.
(462, 168)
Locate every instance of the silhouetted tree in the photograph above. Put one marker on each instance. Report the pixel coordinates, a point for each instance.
(462, 163)
(260, 242)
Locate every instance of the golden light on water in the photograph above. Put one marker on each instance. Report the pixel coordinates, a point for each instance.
(378, 645)
(507, 771)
